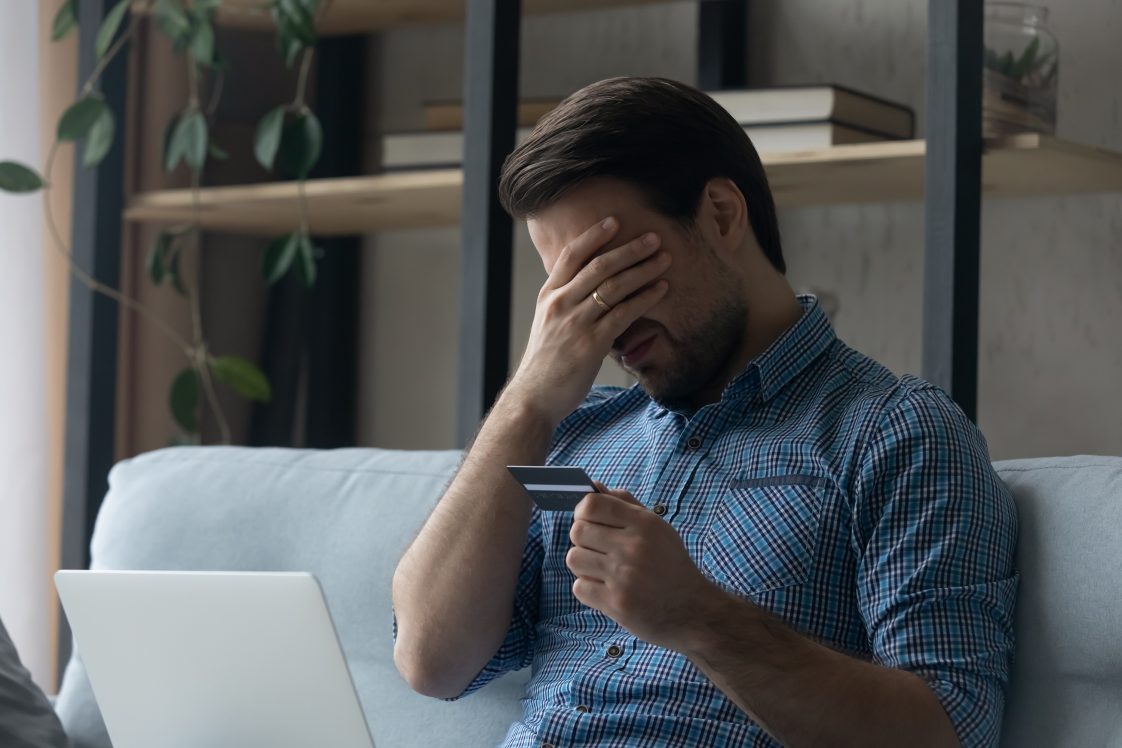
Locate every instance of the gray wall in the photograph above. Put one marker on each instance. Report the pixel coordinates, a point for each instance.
(1051, 268)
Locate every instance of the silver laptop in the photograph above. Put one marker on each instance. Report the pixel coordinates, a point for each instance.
(213, 659)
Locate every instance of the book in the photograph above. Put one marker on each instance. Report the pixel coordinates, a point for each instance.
(449, 115)
(838, 104)
(444, 150)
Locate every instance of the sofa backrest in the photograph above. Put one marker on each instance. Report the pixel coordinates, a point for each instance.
(344, 515)
(1066, 687)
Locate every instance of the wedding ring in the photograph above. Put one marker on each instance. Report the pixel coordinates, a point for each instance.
(600, 301)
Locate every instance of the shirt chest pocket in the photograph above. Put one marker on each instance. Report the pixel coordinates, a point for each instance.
(764, 534)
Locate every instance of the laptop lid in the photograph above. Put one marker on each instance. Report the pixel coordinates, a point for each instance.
(216, 659)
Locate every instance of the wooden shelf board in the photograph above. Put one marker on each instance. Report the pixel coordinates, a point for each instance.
(365, 16)
(340, 207)
(1023, 165)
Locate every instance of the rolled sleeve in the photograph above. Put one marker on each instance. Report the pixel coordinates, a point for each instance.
(517, 649)
(935, 532)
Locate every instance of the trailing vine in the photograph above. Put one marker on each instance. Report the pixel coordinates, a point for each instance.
(289, 136)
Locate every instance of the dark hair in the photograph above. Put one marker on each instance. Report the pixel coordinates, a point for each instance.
(666, 138)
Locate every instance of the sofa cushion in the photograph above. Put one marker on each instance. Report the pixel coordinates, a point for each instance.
(345, 515)
(1066, 685)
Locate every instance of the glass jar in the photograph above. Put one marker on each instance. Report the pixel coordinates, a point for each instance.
(1021, 70)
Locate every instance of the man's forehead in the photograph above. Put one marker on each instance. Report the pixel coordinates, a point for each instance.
(575, 213)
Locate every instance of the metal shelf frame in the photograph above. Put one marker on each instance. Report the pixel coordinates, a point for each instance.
(952, 208)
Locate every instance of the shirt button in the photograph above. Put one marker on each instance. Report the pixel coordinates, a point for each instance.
(614, 651)
(693, 442)
(660, 509)
(582, 708)
(547, 745)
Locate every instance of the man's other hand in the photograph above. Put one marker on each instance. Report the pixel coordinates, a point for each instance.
(633, 567)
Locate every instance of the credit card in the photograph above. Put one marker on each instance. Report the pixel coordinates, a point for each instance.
(554, 488)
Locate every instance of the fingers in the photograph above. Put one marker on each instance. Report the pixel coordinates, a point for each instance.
(605, 509)
(591, 592)
(591, 536)
(627, 496)
(588, 564)
(637, 252)
(578, 252)
(618, 287)
(612, 324)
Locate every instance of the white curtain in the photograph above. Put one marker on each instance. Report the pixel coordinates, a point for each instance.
(25, 584)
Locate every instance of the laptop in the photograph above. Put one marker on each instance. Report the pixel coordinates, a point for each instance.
(214, 659)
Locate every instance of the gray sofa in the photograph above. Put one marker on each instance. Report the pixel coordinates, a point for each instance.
(346, 516)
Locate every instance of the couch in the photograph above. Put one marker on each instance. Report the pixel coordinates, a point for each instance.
(347, 515)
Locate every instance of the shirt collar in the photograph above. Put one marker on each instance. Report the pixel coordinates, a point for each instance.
(788, 356)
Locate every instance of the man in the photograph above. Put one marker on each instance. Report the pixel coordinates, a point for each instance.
(797, 548)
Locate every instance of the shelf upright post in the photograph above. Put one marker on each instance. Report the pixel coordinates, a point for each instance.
(91, 363)
(331, 336)
(953, 199)
(722, 44)
(490, 102)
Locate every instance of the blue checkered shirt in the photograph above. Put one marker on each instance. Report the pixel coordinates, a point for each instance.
(859, 507)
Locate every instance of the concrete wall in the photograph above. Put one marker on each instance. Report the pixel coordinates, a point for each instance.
(1051, 268)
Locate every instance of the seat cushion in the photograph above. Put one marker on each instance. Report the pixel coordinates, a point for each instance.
(344, 515)
(1066, 686)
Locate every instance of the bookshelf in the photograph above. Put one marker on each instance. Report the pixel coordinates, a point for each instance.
(366, 16)
(1020, 166)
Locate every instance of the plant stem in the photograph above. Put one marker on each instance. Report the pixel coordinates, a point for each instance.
(194, 289)
(135, 15)
(302, 202)
(306, 58)
(212, 399)
(92, 283)
(216, 94)
(192, 83)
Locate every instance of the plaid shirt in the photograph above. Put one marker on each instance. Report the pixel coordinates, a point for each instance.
(859, 507)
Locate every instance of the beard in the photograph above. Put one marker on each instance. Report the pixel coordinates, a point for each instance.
(703, 349)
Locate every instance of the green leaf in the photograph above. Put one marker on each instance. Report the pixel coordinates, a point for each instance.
(173, 21)
(109, 27)
(1008, 63)
(173, 274)
(306, 268)
(202, 41)
(173, 144)
(290, 49)
(100, 139)
(66, 20)
(18, 178)
(184, 400)
(243, 375)
(301, 145)
(188, 141)
(296, 19)
(216, 151)
(171, 158)
(157, 257)
(268, 137)
(279, 256)
(1027, 62)
(196, 133)
(80, 117)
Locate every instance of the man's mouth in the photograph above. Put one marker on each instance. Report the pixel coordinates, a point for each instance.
(633, 351)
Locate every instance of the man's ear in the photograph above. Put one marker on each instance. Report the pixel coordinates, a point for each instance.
(723, 215)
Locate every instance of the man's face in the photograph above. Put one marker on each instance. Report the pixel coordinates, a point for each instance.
(682, 349)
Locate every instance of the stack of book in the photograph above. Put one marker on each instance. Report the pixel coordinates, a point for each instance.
(777, 120)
